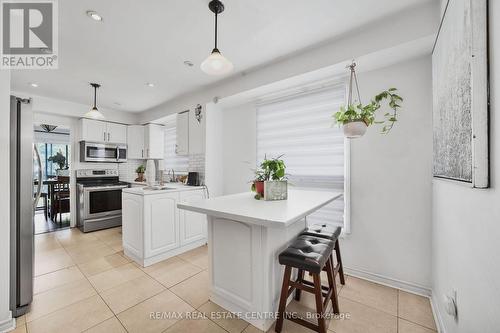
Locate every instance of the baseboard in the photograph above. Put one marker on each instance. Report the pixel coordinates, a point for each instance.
(390, 282)
(7, 325)
(437, 314)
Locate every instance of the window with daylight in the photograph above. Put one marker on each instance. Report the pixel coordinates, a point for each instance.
(301, 129)
(172, 160)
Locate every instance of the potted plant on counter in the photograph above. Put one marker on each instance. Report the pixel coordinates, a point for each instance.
(140, 173)
(270, 180)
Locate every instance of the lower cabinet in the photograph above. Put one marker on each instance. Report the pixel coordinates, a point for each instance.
(154, 229)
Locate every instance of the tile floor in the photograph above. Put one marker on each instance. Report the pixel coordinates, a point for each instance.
(85, 283)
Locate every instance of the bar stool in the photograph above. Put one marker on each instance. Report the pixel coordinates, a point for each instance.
(310, 254)
(331, 233)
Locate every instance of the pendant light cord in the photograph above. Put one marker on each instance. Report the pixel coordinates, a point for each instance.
(95, 97)
(216, 30)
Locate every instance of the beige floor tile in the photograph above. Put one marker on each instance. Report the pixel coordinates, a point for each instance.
(130, 293)
(139, 318)
(115, 276)
(362, 318)
(198, 256)
(50, 261)
(288, 327)
(222, 318)
(21, 320)
(73, 236)
(19, 329)
(405, 326)
(49, 281)
(58, 298)
(252, 329)
(416, 309)
(87, 253)
(103, 264)
(194, 290)
(112, 325)
(46, 243)
(372, 294)
(76, 317)
(116, 245)
(195, 325)
(172, 271)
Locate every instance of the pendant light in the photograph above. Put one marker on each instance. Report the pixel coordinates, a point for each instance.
(48, 128)
(216, 63)
(94, 112)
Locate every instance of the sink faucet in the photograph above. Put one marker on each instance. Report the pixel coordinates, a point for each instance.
(172, 179)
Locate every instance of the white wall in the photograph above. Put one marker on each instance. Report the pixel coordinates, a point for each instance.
(391, 183)
(213, 147)
(6, 321)
(466, 228)
(239, 148)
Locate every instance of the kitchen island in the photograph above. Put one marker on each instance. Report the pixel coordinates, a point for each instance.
(154, 229)
(245, 237)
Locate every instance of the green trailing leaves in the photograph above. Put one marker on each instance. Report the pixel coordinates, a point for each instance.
(366, 113)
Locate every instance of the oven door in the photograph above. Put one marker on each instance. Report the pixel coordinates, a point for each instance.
(102, 201)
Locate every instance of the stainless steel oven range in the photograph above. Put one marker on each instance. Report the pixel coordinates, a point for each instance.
(99, 203)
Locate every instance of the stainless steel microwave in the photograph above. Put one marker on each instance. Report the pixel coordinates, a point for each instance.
(102, 152)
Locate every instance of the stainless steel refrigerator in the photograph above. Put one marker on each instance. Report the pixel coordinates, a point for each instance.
(23, 196)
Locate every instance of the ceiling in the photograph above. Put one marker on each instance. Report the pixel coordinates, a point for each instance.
(148, 41)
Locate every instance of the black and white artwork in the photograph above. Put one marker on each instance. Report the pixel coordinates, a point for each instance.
(460, 93)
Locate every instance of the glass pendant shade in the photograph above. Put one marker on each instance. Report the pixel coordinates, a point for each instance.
(94, 114)
(216, 64)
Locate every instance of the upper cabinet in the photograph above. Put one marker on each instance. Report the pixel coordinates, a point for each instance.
(135, 142)
(146, 142)
(154, 141)
(182, 130)
(102, 131)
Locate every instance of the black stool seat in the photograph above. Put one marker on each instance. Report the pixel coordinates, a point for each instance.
(308, 253)
(323, 231)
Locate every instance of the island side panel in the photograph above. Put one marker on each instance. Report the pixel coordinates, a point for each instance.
(133, 226)
(245, 275)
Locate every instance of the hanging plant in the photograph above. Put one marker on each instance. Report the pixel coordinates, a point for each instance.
(355, 118)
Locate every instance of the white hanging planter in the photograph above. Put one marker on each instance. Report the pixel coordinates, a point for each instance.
(355, 129)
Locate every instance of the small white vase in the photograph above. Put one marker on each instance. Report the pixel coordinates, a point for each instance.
(150, 173)
(355, 129)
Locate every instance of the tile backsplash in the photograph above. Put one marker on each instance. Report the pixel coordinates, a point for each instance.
(127, 170)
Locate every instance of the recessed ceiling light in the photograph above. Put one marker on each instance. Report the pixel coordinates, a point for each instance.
(188, 63)
(150, 85)
(93, 15)
(34, 85)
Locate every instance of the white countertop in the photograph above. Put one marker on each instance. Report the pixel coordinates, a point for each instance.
(243, 207)
(171, 187)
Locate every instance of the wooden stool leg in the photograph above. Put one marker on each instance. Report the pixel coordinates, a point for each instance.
(300, 278)
(339, 260)
(332, 284)
(319, 302)
(283, 298)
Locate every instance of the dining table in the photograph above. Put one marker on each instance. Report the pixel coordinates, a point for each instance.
(50, 183)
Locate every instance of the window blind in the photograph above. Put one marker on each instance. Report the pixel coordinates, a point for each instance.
(301, 129)
(172, 160)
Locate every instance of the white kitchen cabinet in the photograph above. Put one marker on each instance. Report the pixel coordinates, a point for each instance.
(193, 226)
(116, 133)
(135, 142)
(182, 130)
(92, 130)
(102, 131)
(162, 223)
(154, 229)
(154, 141)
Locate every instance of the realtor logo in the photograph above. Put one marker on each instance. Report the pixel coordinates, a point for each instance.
(29, 34)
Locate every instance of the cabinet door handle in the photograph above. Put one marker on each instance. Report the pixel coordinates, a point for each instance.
(108, 136)
(176, 148)
(142, 152)
(147, 152)
(104, 133)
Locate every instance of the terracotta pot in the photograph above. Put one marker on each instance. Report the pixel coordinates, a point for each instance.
(355, 129)
(259, 187)
(140, 177)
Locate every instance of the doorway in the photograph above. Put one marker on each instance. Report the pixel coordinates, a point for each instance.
(53, 207)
